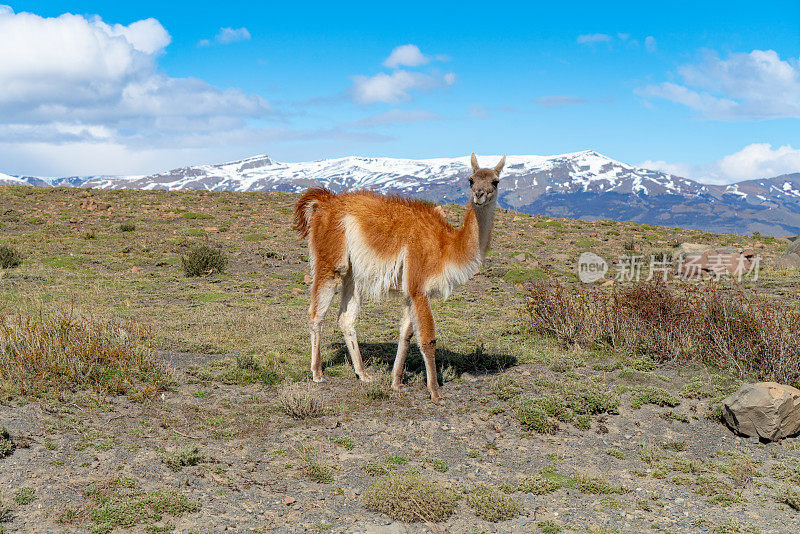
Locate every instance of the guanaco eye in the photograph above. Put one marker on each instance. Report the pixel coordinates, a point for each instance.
(471, 181)
(495, 182)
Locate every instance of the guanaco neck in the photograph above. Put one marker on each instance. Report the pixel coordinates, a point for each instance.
(480, 219)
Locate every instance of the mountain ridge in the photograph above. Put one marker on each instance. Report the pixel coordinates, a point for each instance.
(579, 185)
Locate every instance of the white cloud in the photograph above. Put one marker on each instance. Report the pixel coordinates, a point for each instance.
(650, 43)
(406, 56)
(757, 160)
(231, 35)
(395, 116)
(396, 87)
(747, 86)
(74, 81)
(592, 38)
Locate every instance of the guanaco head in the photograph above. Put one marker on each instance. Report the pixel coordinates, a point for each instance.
(483, 182)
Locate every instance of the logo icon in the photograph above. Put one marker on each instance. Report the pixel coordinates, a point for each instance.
(591, 267)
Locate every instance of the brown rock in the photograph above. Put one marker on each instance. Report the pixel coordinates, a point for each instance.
(307, 279)
(768, 410)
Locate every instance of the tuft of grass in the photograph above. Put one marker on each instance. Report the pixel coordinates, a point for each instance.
(9, 257)
(521, 275)
(653, 395)
(127, 227)
(300, 401)
(533, 417)
(183, 457)
(204, 260)
(25, 496)
(616, 453)
(345, 441)
(7, 445)
(121, 504)
(375, 469)
(506, 388)
(789, 495)
(549, 480)
(315, 469)
(493, 505)
(409, 497)
(194, 216)
(437, 464)
(63, 351)
(549, 527)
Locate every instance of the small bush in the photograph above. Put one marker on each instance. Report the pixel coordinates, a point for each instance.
(653, 395)
(506, 388)
(549, 480)
(40, 353)
(7, 445)
(410, 498)
(437, 464)
(549, 527)
(203, 260)
(533, 417)
(25, 496)
(300, 401)
(9, 257)
(726, 326)
(193, 216)
(790, 495)
(127, 227)
(315, 469)
(185, 456)
(492, 505)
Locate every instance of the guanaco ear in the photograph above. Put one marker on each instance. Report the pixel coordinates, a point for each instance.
(474, 161)
(499, 166)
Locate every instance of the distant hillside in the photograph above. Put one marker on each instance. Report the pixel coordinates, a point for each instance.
(581, 185)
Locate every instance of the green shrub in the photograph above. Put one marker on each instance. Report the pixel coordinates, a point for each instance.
(9, 257)
(410, 498)
(127, 227)
(533, 417)
(492, 505)
(185, 456)
(203, 260)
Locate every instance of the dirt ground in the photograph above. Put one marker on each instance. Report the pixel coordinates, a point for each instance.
(216, 450)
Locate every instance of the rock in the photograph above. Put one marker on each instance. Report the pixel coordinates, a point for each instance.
(790, 258)
(307, 279)
(691, 249)
(768, 410)
(519, 257)
(289, 500)
(393, 528)
(440, 211)
(297, 291)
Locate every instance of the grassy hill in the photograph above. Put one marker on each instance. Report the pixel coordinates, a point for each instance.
(186, 419)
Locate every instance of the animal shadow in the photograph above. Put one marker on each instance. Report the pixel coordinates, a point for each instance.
(479, 361)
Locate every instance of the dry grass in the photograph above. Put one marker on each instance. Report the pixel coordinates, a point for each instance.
(728, 327)
(9, 257)
(492, 505)
(301, 401)
(41, 353)
(410, 497)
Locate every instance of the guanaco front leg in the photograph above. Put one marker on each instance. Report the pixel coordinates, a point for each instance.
(406, 331)
(322, 291)
(423, 321)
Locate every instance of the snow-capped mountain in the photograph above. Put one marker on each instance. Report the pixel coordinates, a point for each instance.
(580, 185)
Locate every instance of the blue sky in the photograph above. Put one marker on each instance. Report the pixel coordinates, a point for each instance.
(709, 90)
